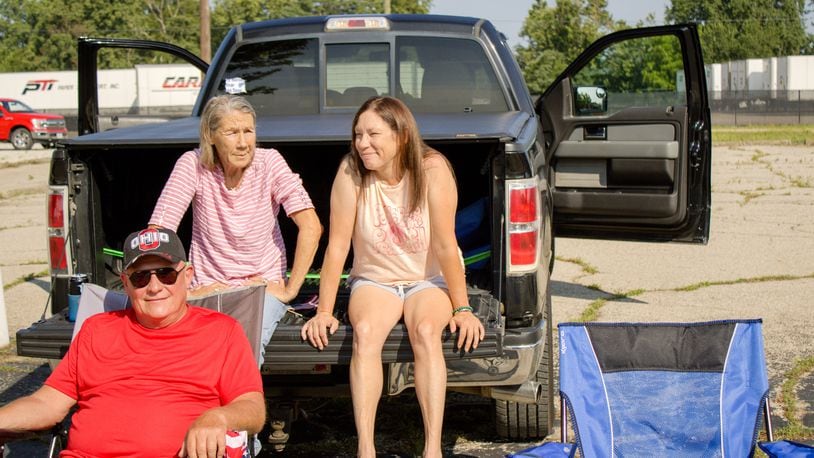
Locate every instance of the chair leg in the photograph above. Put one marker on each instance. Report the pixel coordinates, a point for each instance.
(59, 436)
(563, 421)
(55, 446)
(767, 418)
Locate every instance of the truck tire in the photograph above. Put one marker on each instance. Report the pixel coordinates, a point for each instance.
(21, 138)
(515, 420)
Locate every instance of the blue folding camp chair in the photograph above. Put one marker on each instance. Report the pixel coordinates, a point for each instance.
(786, 449)
(662, 389)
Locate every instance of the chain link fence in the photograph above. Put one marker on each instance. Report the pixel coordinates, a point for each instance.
(762, 107)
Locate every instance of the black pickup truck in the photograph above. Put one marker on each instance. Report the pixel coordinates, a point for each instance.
(604, 153)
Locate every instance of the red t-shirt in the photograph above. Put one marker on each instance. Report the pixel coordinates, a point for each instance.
(139, 389)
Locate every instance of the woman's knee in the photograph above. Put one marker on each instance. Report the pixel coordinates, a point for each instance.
(366, 338)
(425, 333)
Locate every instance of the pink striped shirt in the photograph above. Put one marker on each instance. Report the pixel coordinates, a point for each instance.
(235, 234)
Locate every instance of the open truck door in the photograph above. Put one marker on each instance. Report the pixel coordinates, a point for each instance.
(164, 92)
(627, 132)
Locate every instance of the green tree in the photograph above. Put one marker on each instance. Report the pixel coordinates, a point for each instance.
(556, 35)
(36, 35)
(227, 13)
(172, 21)
(742, 29)
(642, 65)
(41, 34)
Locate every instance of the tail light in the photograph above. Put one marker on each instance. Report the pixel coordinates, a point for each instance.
(58, 250)
(523, 224)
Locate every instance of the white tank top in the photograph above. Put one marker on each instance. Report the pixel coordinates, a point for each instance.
(391, 246)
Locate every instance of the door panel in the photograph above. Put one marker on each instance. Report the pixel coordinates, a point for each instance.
(627, 132)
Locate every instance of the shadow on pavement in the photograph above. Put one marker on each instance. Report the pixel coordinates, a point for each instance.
(577, 291)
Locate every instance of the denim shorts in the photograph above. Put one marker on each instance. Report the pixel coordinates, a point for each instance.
(401, 291)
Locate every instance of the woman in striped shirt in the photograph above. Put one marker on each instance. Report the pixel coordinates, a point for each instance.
(236, 191)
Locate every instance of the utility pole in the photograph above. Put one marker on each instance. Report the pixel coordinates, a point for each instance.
(386, 6)
(206, 39)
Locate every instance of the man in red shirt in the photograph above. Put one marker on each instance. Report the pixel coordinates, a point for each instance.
(160, 378)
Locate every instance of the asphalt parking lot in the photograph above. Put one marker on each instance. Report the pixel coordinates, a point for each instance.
(758, 264)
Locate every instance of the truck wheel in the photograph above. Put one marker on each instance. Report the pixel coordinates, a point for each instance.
(515, 420)
(21, 138)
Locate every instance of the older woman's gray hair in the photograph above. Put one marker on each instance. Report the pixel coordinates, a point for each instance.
(215, 110)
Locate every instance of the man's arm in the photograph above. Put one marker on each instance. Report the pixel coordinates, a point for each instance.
(206, 436)
(38, 411)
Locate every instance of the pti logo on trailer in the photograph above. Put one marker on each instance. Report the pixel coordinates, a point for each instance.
(38, 85)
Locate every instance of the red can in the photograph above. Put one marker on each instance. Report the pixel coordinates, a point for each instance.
(237, 444)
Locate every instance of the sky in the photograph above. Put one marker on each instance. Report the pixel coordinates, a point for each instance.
(508, 15)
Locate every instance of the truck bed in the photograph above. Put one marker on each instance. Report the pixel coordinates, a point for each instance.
(50, 339)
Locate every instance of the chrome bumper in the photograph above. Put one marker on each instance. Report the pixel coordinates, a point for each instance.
(522, 352)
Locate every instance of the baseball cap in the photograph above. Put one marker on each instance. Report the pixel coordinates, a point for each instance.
(153, 242)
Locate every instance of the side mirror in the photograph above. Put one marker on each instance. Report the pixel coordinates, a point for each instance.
(590, 100)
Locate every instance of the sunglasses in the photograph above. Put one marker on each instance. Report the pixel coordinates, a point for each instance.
(166, 275)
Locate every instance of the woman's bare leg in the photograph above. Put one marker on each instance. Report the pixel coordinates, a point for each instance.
(373, 312)
(426, 314)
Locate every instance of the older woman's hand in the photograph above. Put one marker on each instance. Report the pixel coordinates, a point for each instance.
(206, 290)
(281, 290)
(277, 288)
(317, 329)
(470, 329)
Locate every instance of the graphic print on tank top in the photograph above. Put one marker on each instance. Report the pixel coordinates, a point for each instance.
(398, 232)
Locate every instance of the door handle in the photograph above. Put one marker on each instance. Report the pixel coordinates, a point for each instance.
(595, 133)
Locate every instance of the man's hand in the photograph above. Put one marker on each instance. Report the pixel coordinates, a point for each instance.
(314, 331)
(206, 436)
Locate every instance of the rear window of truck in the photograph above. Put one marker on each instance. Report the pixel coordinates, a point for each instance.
(431, 74)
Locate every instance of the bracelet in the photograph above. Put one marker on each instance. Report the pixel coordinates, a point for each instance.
(463, 308)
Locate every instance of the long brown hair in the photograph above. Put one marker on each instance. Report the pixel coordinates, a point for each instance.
(410, 151)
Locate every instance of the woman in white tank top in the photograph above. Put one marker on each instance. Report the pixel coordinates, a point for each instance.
(406, 263)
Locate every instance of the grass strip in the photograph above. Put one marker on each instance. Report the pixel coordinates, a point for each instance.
(591, 312)
(786, 134)
(10, 165)
(586, 268)
(21, 192)
(794, 430)
(767, 278)
(25, 278)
